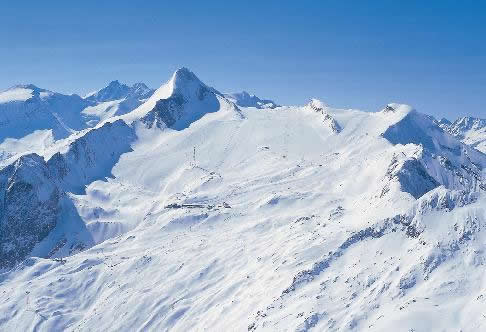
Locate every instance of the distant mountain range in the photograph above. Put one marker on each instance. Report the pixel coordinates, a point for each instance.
(244, 99)
(469, 130)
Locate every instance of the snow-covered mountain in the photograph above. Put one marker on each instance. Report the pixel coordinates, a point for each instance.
(32, 119)
(25, 109)
(116, 90)
(244, 99)
(116, 99)
(469, 130)
(193, 212)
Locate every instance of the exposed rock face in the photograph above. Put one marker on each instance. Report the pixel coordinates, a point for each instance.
(328, 120)
(388, 108)
(412, 177)
(442, 158)
(469, 130)
(165, 112)
(31, 188)
(189, 99)
(438, 247)
(461, 126)
(333, 125)
(29, 207)
(92, 156)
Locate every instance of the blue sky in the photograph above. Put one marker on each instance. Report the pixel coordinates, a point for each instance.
(359, 54)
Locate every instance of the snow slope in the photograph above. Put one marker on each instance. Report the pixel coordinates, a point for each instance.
(469, 130)
(244, 99)
(25, 109)
(115, 99)
(194, 213)
(36, 194)
(34, 119)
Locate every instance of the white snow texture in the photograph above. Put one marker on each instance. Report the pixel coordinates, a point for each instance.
(185, 209)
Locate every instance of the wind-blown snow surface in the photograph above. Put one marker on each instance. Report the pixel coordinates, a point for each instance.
(210, 216)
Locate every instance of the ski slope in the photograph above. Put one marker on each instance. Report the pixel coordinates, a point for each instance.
(192, 212)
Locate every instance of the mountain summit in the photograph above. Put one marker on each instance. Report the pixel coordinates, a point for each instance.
(181, 101)
(114, 100)
(116, 90)
(244, 99)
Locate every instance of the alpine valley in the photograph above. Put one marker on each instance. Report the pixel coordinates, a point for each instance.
(188, 209)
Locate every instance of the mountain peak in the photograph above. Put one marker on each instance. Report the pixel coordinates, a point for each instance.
(26, 86)
(20, 93)
(184, 73)
(469, 130)
(245, 99)
(140, 85)
(113, 91)
(469, 122)
(444, 122)
(183, 83)
(140, 91)
(116, 90)
(115, 83)
(177, 103)
(186, 83)
(317, 104)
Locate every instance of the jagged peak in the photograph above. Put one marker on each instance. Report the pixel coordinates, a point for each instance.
(116, 90)
(441, 152)
(320, 107)
(30, 158)
(185, 83)
(183, 88)
(317, 104)
(140, 85)
(469, 122)
(444, 122)
(182, 82)
(184, 74)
